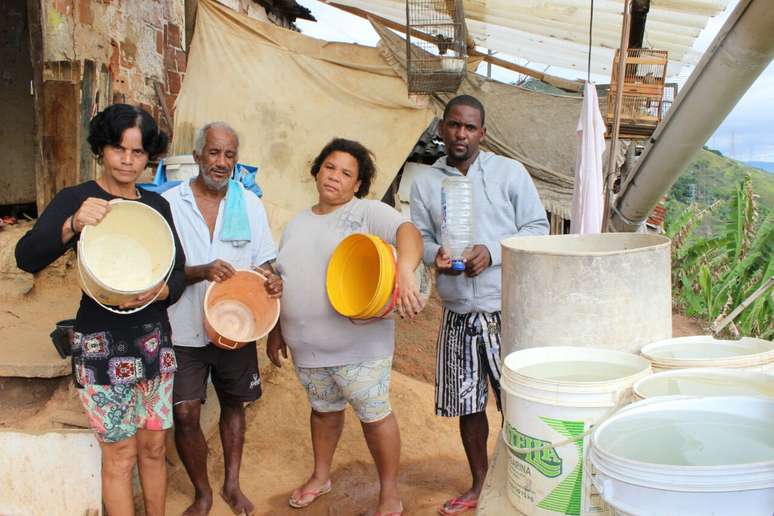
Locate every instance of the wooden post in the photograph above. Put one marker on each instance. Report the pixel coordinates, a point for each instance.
(89, 87)
(159, 88)
(611, 153)
(191, 7)
(718, 325)
(34, 22)
(61, 135)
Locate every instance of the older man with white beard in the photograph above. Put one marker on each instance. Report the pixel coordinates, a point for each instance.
(214, 249)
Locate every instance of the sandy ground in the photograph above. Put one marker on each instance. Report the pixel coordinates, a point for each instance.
(278, 455)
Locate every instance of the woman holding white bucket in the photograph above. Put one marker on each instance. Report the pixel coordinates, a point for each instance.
(339, 362)
(123, 363)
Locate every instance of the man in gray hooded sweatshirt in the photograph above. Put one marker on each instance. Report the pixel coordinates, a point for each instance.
(505, 203)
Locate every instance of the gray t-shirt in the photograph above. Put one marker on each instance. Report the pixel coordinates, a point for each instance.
(315, 333)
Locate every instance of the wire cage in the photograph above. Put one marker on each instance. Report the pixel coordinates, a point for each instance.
(642, 94)
(436, 29)
(670, 94)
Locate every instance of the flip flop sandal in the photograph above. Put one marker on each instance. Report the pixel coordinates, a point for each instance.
(457, 506)
(314, 493)
(238, 512)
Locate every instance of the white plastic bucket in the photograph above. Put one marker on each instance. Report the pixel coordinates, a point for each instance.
(552, 396)
(687, 457)
(706, 351)
(181, 167)
(131, 251)
(705, 382)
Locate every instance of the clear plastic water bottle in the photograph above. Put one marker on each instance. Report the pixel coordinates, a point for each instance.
(457, 218)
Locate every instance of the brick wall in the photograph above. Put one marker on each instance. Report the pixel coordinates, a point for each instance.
(140, 41)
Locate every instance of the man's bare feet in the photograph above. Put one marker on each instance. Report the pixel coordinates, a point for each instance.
(201, 505)
(237, 500)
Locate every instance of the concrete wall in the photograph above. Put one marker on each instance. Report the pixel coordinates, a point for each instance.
(17, 175)
(57, 472)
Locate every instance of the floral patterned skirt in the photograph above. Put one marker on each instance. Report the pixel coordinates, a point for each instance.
(123, 355)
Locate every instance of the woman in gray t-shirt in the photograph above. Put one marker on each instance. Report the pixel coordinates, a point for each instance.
(339, 362)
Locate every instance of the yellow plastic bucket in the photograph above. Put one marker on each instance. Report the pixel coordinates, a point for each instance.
(129, 252)
(361, 277)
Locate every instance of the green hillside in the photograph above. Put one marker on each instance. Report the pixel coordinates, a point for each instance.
(715, 178)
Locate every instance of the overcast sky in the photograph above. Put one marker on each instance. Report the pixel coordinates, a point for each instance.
(747, 133)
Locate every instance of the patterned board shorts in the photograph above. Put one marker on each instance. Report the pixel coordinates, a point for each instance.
(115, 412)
(365, 386)
(468, 354)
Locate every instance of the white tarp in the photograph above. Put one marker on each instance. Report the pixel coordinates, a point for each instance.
(556, 32)
(288, 95)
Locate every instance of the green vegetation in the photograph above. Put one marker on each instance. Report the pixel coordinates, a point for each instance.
(717, 265)
(712, 177)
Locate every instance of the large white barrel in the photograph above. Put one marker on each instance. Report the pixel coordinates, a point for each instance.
(611, 290)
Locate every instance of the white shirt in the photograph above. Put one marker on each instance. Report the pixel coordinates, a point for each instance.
(187, 315)
(316, 334)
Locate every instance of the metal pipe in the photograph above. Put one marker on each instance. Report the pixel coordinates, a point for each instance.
(739, 53)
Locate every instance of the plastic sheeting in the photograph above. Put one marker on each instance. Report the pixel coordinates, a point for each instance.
(556, 32)
(535, 128)
(287, 95)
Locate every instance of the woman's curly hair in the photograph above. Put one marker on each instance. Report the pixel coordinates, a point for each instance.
(366, 169)
(108, 126)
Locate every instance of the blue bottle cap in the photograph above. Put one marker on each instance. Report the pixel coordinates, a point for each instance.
(457, 265)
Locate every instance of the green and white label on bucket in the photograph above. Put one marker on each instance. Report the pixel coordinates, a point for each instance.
(535, 473)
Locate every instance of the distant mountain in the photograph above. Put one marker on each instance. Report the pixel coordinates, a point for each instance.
(768, 166)
(710, 177)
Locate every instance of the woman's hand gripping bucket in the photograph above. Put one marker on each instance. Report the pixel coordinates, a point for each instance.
(128, 255)
(362, 279)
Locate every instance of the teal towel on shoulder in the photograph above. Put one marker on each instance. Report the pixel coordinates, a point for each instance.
(236, 226)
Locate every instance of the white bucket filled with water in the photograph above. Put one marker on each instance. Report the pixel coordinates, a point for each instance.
(705, 382)
(552, 396)
(706, 351)
(687, 457)
(131, 251)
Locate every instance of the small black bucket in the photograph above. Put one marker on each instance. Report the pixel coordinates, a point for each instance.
(62, 337)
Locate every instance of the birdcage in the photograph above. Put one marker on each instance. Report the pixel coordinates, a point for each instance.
(642, 92)
(437, 62)
(670, 94)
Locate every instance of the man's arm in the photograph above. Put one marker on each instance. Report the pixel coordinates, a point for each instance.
(420, 216)
(529, 214)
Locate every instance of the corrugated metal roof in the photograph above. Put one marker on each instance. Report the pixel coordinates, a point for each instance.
(555, 32)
